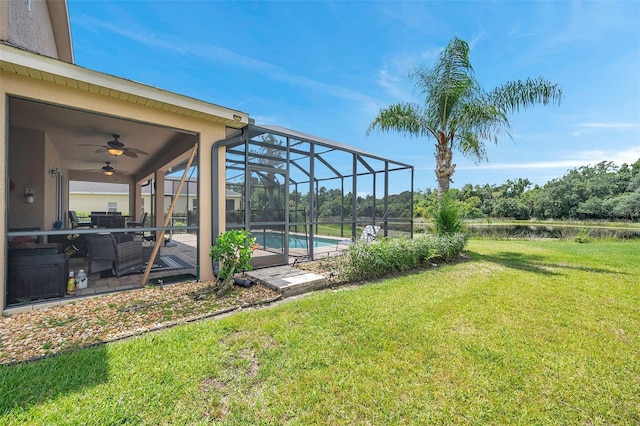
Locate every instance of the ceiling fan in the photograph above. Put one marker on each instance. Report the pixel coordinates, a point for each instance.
(107, 169)
(115, 147)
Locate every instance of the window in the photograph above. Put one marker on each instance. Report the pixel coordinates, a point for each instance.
(194, 204)
(112, 206)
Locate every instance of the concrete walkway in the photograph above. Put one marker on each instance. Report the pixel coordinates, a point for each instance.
(287, 280)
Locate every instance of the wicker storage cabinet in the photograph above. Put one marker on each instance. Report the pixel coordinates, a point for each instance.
(36, 271)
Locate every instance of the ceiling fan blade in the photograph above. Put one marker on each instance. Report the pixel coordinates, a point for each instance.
(130, 153)
(136, 150)
(103, 149)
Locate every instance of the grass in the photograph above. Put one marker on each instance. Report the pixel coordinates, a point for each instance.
(525, 332)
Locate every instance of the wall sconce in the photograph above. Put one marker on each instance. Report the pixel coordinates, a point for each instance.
(29, 195)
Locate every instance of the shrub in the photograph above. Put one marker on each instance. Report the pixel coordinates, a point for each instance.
(374, 260)
(582, 237)
(447, 217)
(233, 251)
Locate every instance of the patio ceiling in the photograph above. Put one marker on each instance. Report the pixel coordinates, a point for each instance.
(70, 130)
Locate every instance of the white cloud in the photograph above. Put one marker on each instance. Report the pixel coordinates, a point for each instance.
(219, 54)
(609, 125)
(523, 166)
(476, 39)
(391, 84)
(586, 127)
(579, 159)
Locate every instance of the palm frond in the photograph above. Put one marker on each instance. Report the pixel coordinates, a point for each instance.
(471, 146)
(513, 95)
(405, 118)
(447, 83)
(483, 118)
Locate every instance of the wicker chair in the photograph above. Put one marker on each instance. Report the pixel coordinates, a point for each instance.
(76, 222)
(120, 254)
(139, 223)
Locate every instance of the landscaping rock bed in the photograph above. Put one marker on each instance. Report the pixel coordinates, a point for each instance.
(90, 321)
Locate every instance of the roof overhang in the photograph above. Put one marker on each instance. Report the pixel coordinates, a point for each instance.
(31, 65)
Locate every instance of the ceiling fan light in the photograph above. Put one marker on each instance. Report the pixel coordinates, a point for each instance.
(108, 172)
(115, 151)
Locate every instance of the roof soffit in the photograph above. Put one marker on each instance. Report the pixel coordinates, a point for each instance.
(28, 64)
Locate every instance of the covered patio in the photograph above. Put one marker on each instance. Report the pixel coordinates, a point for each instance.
(64, 123)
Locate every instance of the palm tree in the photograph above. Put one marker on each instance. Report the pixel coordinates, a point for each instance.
(457, 112)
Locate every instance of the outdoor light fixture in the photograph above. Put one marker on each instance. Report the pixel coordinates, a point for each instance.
(115, 151)
(108, 170)
(29, 194)
(115, 147)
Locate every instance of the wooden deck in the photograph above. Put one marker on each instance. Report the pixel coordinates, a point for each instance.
(183, 247)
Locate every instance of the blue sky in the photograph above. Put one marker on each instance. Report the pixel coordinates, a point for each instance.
(326, 68)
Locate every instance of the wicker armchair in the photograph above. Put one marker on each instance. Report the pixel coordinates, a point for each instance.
(120, 254)
(76, 222)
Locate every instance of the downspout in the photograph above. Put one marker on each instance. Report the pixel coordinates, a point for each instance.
(215, 190)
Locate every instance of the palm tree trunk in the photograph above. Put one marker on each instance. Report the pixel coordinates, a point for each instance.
(444, 168)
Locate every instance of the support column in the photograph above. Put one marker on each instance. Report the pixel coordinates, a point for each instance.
(159, 206)
(135, 201)
(4, 142)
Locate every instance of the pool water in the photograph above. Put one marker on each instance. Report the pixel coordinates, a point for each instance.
(275, 240)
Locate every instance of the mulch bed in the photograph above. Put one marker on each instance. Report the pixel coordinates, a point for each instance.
(86, 322)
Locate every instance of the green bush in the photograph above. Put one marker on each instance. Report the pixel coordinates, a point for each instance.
(374, 260)
(232, 250)
(582, 237)
(447, 216)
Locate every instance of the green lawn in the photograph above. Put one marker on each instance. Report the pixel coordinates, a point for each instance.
(525, 332)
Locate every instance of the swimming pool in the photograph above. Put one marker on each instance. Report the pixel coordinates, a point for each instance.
(276, 240)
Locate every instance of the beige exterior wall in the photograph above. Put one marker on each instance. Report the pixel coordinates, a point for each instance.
(28, 151)
(4, 129)
(30, 26)
(51, 92)
(88, 202)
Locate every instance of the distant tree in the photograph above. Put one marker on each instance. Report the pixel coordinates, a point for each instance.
(399, 205)
(457, 112)
(588, 192)
(510, 207)
(628, 205)
(515, 189)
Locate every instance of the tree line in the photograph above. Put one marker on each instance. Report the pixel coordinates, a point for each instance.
(602, 191)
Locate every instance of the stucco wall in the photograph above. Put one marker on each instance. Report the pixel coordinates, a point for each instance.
(98, 202)
(51, 160)
(31, 29)
(84, 202)
(26, 168)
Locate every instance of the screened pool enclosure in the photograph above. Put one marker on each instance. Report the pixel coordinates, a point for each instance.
(305, 197)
